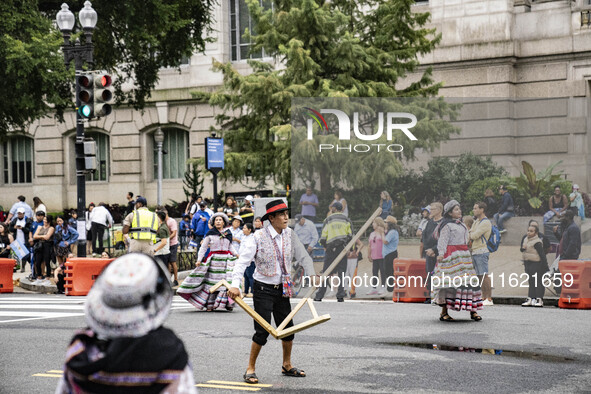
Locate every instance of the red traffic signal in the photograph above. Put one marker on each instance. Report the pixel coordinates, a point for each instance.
(103, 94)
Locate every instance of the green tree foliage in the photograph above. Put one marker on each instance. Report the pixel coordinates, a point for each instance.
(33, 72)
(342, 48)
(446, 178)
(193, 182)
(133, 39)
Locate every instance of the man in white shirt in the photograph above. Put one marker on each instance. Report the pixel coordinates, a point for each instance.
(272, 251)
(19, 204)
(100, 219)
(306, 231)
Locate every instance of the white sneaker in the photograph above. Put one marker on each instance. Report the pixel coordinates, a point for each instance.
(503, 231)
(373, 292)
(528, 302)
(538, 302)
(488, 303)
(46, 282)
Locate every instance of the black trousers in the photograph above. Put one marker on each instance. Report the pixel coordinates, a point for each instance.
(43, 256)
(535, 271)
(98, 231)
(268, 300)
(332, 252)
(389, 269)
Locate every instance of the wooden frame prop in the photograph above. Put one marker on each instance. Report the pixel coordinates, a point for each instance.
(281, 332)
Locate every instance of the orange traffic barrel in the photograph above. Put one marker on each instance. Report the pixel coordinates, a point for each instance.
(6, 269)
(81, 272)
(576, 284)
(409, 280)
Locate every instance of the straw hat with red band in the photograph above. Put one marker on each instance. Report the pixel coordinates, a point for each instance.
(275, 206)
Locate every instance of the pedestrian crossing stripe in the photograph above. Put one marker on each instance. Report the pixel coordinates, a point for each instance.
(20, 309)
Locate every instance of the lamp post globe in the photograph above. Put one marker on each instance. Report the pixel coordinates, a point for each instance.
(65, 19)
(87, 16)
(159, 136)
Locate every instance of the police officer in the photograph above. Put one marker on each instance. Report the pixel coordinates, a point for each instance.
(141, 225)
(336, 234)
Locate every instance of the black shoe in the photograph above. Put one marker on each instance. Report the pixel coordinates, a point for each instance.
(318, 299)
(428, 301)
(340, 300)
(175, 283)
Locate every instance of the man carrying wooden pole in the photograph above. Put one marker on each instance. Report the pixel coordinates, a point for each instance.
(272, 252)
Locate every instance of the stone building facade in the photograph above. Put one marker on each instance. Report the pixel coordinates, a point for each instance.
(521, 67)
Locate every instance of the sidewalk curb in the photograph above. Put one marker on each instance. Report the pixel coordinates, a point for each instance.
(26, 284)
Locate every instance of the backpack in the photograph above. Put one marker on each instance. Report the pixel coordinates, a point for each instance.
(494, 240)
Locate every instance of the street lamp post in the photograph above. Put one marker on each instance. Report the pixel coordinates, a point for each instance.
(159, 139)
(80, 53)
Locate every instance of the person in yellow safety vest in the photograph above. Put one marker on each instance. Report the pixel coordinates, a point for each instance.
(141, 225)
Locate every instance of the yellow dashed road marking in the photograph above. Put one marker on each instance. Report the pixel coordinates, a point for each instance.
(219, 386)
(239, 383)
(47, 375)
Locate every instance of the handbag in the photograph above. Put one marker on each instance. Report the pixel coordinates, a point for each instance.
(37, 246)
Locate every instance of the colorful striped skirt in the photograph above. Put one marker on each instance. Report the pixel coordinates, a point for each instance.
(195, 288)
(454, 282)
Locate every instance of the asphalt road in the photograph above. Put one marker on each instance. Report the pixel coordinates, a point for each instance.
(367, 347)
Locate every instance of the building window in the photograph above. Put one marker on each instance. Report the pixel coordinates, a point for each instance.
(17, 160)
(174, 162)
(185, 61)
(102, 158)
(240, 20)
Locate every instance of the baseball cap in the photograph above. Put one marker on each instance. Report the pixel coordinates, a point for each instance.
(20, 210)
(338, 206)
(141, 200)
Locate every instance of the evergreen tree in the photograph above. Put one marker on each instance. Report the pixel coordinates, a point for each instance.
(193, 182)
(340, 48)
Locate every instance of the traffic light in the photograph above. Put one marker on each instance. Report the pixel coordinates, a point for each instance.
(103, 94)
(85, 95)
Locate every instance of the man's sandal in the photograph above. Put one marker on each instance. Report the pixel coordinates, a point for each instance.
(475, 316)
(445, 317)
(251, 378)
(298, 373)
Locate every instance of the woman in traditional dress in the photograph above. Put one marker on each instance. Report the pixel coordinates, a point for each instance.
(455, 283)
(218, 265)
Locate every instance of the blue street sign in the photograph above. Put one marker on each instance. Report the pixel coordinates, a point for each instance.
(214, 153)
